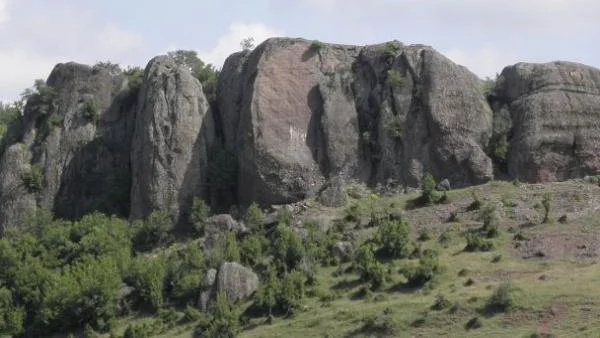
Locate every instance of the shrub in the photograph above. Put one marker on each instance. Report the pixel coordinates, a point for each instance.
(429, 195)
(287, 248)
(251, 249)
(317, 45)
(33, 179)
(395, 127)
(254, 217)
(477, 242)
(491, 222)
(91, 111)
(198, 215)
(473, 324)
(227, 250)
(370, 270)
(393, 236)
(424, 236)
(395, 79)
(426, 271)
(502, 299)
(110, 66)
(563, 219)
(476, 204)
(440, 303)
(154, 231)
(148, 276)
(547, 204)
(382, 324)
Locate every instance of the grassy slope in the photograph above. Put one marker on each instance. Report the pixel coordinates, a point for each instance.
(557, 294)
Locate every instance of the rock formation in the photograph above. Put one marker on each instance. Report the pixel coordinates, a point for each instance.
(553, 120)
(291, 119)
(173, 131)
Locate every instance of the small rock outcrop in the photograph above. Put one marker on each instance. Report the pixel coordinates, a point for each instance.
(216, 226)
(173, 131)
(236, 281)
(552, 112)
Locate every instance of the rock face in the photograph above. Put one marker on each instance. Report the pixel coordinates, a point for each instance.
(173, 131)
(553, 111)
(237, 281)
(307, 113)
(74, 143)
(217, 225)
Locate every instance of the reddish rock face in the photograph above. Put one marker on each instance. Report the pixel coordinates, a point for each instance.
(554, 111)
(306, 114)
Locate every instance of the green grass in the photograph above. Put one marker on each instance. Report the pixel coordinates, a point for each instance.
(557, 295)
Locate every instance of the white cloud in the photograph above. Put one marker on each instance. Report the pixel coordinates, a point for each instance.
(19, 68)
(483, 62)
(54, 32)
(3, 10)
(230, 41)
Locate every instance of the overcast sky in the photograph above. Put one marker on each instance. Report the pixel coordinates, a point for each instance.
(484, 35)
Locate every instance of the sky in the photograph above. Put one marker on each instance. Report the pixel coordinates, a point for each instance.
(483, 35)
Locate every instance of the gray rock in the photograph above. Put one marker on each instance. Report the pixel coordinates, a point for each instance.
(83, 154)
(236, 281)
(217, 225)
(344, 251)
(554, 109)
(207, 291)
(369, 114)
(173, 132)
(444, 185)
(333, 194)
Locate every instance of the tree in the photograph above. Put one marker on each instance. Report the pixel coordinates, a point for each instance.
(394, 237)
(225, 321)
(247, 44)
(547, 204)
(153, 231)
(198, 215)
(148, 276)
(254, 217)
(370, 270)
(428, 195)
(207, 74)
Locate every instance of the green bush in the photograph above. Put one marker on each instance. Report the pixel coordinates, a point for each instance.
(252, 249)
(148, 276)
(476, 204)
(33, 179)
(502, 299)
(224, 321)
(426, 271)
(477, 242)
(393, 236)
(429, 195)
(287, 248)
(185, 272)
(227, 250)
(91, 111)
(153, 232)
(317, 45)
(254, 217)
(199, 213)
(491, 221)
(370, 270)
(441, 303)
(395, 79)
(547, 204)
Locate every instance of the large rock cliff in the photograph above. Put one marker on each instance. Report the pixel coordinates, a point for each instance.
(553, 114)
(301, 113)
(292, 118)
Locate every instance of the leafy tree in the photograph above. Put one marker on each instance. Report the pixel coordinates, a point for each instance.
(199, 213)
(428, 268)
(266, 296)
(394, 237)
(153, 232)
(254, 217)
(225, 321)
(429, 195)
(252, 249)
(547, 204)
(9, 113)
(287, 248)
(148, 276)
(227, 250)
(292, 291)
(40, 98)
(207, 74)
(370, 270)
(186, 272)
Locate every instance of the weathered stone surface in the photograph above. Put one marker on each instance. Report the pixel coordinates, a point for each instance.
(15, 200)
(378, 113)
(83, 154)
(554, 111)
(217, 225)
(444, 185)
(173, 131)
(236, 281)
(207, 291)
(333, 194)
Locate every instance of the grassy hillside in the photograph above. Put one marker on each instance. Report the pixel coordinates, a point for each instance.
(540, 279)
